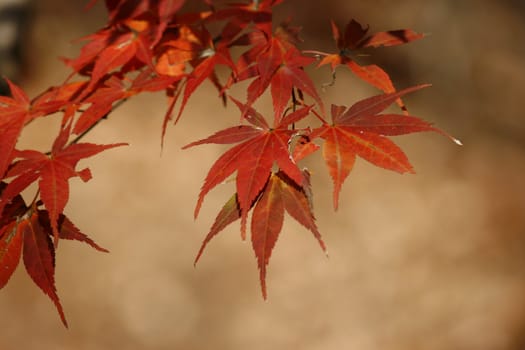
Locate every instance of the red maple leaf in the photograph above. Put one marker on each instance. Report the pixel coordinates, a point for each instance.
(282, 69)
(53, 172)
(261, 146)
(274, 61)
(31, 238)
(280, 194)
(39, 259)
(361, 130)
(354, 38)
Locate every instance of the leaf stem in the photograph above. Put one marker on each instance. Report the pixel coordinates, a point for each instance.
(319, 116)
(316, 53)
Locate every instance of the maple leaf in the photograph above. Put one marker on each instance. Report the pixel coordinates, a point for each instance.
(281, 70)
(279, 194)
(354, 38)
(39, 260)
(260, 147)
(53, 172)
(31, 238)
(275, 62)
(361, 130)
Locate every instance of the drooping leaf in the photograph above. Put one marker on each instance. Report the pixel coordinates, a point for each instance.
(32, 236)
(39, 260)
(298, 203)
(280, 193)
(267, 223)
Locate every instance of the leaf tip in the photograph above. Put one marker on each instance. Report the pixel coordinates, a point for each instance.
(64, 321)
(196, 260)
(263, 288)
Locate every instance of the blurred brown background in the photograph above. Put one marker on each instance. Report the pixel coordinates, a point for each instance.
(427, 261)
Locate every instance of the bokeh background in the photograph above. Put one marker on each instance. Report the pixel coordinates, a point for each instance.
(429, 261)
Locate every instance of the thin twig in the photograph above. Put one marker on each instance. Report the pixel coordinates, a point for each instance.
(79, 137)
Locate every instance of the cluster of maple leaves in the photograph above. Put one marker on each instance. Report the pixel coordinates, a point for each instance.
(151, 46)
